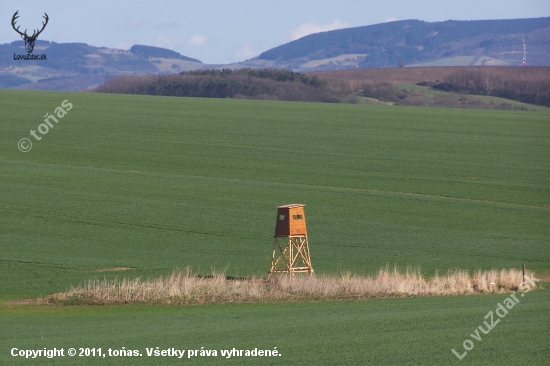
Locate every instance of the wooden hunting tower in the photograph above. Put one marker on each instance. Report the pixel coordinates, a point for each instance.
(290, 245)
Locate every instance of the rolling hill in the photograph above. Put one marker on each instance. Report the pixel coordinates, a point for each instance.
(79, 66)
(448, 43)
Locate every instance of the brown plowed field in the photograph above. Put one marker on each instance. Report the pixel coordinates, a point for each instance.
(412, 75)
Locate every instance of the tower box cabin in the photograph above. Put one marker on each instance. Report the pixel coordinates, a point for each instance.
(291, 220)
(290, 245)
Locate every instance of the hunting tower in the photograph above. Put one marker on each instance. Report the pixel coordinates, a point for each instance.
(290, 245)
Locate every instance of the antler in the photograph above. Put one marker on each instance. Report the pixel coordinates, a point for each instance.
(35, 35)
(13, 19)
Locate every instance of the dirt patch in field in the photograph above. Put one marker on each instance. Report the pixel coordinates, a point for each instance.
(543, 277)
(38, 301)
(113, 269)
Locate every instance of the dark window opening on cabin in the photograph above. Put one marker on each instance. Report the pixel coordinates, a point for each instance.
(297, 217)
(281, 217)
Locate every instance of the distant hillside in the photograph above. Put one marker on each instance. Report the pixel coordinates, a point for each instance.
(485, 42)
(435, 86)
(529, 84)
(78, 66)
(149, 51)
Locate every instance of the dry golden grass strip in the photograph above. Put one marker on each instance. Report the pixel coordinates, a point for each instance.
(185, 287)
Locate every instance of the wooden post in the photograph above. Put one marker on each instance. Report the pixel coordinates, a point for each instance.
(523, 271)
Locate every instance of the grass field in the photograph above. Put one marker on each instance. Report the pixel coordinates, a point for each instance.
(417, 331)
(154, 183)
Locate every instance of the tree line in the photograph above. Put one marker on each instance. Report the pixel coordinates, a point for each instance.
(273, 84)
(482, 83)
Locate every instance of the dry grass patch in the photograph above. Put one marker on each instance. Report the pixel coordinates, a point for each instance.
(185, 287)
(114, 269)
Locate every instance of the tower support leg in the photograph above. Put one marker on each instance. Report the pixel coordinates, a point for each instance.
(290, 255)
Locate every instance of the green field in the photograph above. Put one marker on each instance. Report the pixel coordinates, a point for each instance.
(154, 183)
(418, 331)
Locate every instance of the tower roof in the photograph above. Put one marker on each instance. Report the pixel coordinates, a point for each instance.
(292, 205)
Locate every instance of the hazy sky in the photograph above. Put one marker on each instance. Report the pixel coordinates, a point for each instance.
(231, 31)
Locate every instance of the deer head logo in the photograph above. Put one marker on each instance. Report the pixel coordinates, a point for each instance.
(29, 40)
